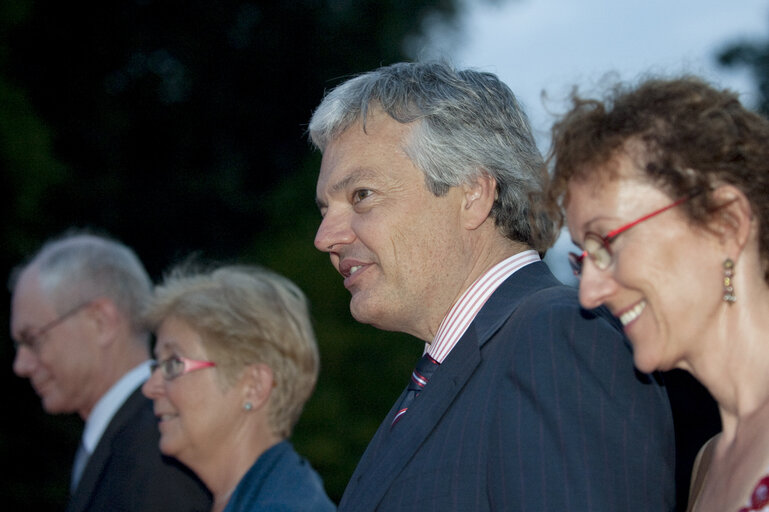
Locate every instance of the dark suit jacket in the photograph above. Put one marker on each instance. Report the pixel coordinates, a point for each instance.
(127, 472)
(537, 408)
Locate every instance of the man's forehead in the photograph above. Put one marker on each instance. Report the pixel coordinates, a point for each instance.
(27, 286)
(28, 302)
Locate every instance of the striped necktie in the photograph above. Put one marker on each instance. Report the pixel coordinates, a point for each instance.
(419, 377)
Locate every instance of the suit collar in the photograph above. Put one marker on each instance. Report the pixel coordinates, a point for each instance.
(529, 279)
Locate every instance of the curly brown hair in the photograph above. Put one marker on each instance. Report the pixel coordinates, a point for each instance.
(692, 137)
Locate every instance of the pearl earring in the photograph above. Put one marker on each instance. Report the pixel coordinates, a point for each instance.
(247, 406)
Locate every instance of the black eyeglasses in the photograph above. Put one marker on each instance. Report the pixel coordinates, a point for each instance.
(176, 366)
(598, 248)
(33, 341)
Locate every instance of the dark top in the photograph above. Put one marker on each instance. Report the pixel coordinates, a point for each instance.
(280, 481)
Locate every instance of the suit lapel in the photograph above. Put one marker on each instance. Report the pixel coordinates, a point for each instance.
(97, 462)
(392, 449)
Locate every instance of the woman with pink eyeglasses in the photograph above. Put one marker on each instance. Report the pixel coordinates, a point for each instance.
(236, 359)
(665, 188)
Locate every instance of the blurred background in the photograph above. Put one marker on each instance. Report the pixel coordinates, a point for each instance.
(179, 128)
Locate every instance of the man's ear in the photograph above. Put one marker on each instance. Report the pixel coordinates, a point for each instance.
(478, 198)
(104, 317)
(733, 218)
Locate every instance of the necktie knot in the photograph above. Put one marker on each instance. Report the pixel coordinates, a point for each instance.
(419, 378)
(422, 373)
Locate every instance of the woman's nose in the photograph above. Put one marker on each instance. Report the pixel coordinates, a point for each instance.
(153, 387)
(595, 285)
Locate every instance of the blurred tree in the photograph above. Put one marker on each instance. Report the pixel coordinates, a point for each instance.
(33, 468)
(178, 127)
(754, 56)
(177, 118)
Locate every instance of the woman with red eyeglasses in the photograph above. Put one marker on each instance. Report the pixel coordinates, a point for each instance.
(665, 188)
(236, 359)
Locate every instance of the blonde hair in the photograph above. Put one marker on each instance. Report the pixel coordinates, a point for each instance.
(247, 315)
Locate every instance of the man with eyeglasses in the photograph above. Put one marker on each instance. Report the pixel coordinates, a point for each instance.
(76, 324)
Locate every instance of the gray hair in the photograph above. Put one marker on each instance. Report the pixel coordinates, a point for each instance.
(466, 123)
(246, 315)
(77, 267)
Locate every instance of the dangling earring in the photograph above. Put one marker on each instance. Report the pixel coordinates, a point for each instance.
(728, 287)
(247, 406)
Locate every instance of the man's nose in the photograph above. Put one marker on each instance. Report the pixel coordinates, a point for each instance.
(335, 229)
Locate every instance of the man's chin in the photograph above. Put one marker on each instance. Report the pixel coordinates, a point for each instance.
(52, 406)
(359, 317)
(362, 312)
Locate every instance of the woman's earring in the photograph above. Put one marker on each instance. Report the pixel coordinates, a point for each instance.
(728, 286)
(247, 406)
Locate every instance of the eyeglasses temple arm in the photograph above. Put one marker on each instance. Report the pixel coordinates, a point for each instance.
(617, 231)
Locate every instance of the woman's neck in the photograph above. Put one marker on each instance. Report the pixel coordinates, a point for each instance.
(223, 474)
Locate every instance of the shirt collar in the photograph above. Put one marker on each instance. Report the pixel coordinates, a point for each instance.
(464, 311)
(110, 402)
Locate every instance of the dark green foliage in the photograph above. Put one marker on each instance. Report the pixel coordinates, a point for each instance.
(179, 127)
(755, 56)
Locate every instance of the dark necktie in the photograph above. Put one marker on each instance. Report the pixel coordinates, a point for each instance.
(419, 377)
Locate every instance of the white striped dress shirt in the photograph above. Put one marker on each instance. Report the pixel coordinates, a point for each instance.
(463, 312)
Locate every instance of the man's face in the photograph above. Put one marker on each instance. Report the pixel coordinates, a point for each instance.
(394, 242)
(57, 362)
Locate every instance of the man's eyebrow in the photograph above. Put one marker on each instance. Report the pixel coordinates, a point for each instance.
(356, 175)
(25, 335)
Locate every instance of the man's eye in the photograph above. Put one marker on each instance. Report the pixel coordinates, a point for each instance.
(359, 195)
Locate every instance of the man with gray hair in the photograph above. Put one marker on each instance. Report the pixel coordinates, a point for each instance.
(522, 400)
(80, 340)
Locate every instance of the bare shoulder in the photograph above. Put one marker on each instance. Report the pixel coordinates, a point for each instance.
(733, 471)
